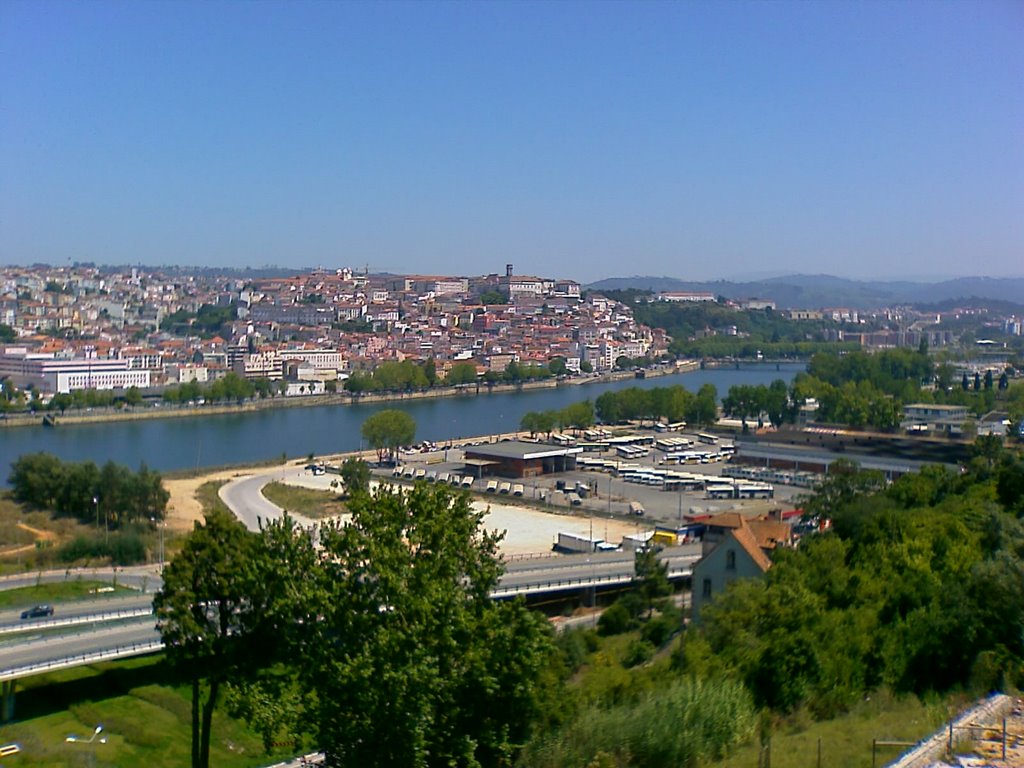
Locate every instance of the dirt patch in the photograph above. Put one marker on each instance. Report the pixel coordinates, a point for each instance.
(39, 534)
(183, 508)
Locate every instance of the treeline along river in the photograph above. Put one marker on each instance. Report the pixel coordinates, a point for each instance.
(215, 440)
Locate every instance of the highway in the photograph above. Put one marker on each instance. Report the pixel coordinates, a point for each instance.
(29, 651)
(38, 653)
(77, 612)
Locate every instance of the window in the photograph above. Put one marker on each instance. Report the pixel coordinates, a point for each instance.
(730, 560)
(706, 593)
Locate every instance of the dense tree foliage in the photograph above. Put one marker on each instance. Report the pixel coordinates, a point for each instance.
(210, 613)
(918, 586)
(575, 416)
(412, 662)
(864, 389)
(673, 404)
(112, 494)
(385, 636)
(208, 321)
(713, 329)
(461, 373)
(231, 386)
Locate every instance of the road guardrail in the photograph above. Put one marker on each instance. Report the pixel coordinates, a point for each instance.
(73, 621)
(109, 654)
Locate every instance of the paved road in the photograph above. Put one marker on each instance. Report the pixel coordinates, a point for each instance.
(50, 648)
(141, 577)
(244, 498)
(72, 610)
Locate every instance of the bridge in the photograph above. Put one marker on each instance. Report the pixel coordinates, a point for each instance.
(117, 628)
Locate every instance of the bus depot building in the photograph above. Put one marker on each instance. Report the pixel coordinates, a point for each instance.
(520, 459)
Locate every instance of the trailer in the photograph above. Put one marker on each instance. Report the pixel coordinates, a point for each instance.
(575, 542)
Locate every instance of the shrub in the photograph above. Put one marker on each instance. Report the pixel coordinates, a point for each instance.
(689, 721)
(615, 620)
(659, 630)
(639, 651)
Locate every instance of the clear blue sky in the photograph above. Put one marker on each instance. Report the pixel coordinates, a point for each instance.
(696, 140)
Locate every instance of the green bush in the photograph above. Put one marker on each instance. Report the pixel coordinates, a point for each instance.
(122, 549)
(662, 628)
(687, 721)
(615, 620)
(575, 644)
(639, 652)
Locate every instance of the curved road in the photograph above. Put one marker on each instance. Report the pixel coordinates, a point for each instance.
(244, 497)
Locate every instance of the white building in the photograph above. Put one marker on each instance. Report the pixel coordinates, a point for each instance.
(49, 374)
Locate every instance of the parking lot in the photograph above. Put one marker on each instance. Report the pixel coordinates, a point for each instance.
(605, 491)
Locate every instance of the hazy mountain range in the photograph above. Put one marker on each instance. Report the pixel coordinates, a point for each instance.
(815, 291)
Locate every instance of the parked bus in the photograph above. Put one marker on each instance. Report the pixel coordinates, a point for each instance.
(704, 437)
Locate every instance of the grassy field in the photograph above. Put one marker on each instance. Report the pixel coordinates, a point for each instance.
(305, 501)
(145, 718)
(846, 741)
(48, 592)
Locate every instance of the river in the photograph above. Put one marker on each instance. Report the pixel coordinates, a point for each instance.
(192, 442)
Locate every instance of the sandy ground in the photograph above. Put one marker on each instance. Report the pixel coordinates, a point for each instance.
(183, 508)
(528, 530)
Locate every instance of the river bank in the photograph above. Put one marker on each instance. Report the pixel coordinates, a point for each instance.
(164, 411)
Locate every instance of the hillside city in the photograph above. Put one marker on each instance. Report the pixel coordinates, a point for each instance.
(93, 328)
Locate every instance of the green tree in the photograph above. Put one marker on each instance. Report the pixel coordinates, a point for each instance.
(493, 297)
(704, 409)
(386, 430)
(133, 396)
(356, 475)
(652, 577)
(578, 415)
(412, 663)
(461, 373)
(205, 614)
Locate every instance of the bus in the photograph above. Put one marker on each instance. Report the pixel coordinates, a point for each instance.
(704, 437)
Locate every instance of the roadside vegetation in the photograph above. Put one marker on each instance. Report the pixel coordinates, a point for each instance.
(307, 502)
(64, 514)
(75, 588)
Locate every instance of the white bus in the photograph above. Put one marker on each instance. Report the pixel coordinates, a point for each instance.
(704, 437)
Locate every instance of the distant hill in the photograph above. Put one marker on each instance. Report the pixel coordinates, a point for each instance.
(813, 291)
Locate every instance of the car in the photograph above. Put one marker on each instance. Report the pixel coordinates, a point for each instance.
(37, 612)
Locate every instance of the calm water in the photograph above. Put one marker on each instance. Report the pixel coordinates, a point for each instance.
(179, 443)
